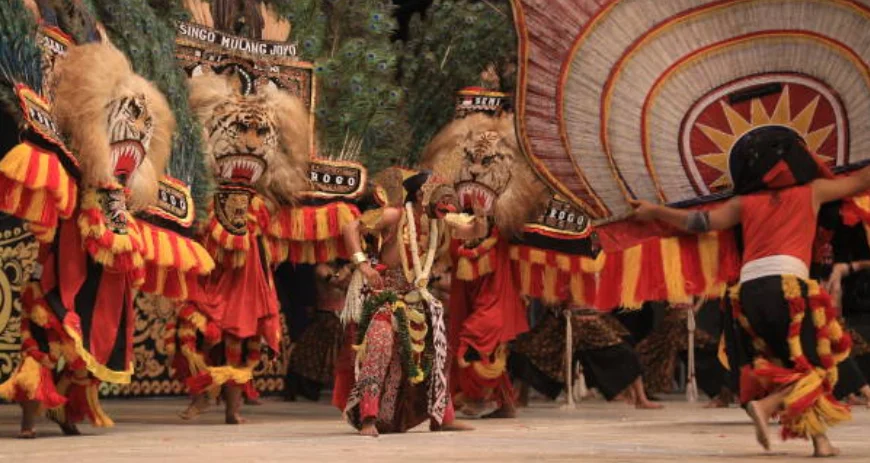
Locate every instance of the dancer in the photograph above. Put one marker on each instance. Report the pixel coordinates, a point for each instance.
(796, 339)
(258, 145)
(609, 363)
(312, 360)
(852, 278)
(401, 343)
(479, 152)
(667, 345)
(78, 307)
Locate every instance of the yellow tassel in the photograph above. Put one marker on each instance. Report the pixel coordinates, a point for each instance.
(322, 218)
(577, 291)
(224, 374)
(550, 280)
(27, 378)
(672, 264)
(101, 420)
(463, 269)
(708, 250)
(496, 368)
(630, 273)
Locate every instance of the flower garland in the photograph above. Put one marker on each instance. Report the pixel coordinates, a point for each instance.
(390, 300)
(420, 277)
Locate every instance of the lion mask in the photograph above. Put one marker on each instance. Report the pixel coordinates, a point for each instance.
(259, 139)
(118, 125)
(481, 154)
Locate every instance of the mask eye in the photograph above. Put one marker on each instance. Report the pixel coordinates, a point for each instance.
(263, 131)
(487, 160)
(240, 127)
(134, 109)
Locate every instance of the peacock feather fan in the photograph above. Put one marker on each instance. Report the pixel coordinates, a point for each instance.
(448, 50)
(20, 56)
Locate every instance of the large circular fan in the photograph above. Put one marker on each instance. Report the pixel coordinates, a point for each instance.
(638, 98)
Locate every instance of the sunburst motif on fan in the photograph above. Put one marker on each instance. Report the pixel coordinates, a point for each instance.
(627, 99)
(711, 128)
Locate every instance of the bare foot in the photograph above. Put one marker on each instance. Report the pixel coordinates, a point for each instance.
(647, 405)
(822, 447)
(29, 410)
(473, 408)
(233, 399)
(448, 427)
(759, 419)
(716, 403)
(252, 401)
(505, 411)
(68, 429)
(235, 418)
(369, 428)
(198, 406)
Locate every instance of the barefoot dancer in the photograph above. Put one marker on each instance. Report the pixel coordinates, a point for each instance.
(312, 361)
(796, 338)
(609, 363)
(852, 278)
(258, 147)
(401, 342)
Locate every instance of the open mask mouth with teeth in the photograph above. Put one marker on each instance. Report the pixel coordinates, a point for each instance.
(127, 156)
(475, 195)
(240, 168)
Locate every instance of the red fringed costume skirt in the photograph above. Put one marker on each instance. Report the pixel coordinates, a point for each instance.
(789, 336)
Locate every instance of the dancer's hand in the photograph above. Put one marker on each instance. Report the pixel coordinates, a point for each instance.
(373, 278)
(644, 211)
(834, 285)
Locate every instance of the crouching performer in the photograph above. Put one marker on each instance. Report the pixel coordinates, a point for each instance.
(401, 342)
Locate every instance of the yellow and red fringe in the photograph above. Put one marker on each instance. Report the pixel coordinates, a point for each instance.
(114, 251)
(311, 234)
(473, 263)
(32, 381)
(83, 400)
(231, 250)
(36, 188)
(201, 377)
(556, 277)
(810, 407)
(856, 210)
(672, 269)
(172, 262)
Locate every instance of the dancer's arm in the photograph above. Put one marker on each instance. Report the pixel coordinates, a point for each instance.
(834, 283)
(477, 227)
(826, 190)
(352, 234)
(721, 218)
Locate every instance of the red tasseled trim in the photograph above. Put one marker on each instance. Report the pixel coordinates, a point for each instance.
(77, 407)
(46, 393)
(751, 387)
(250, 391)
(197, 384)
(610, 282)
